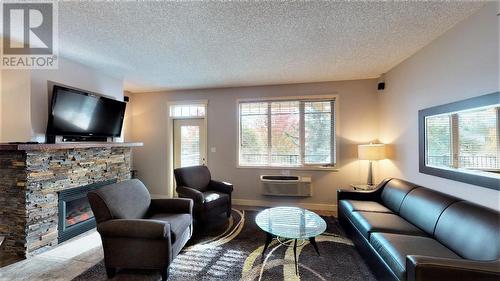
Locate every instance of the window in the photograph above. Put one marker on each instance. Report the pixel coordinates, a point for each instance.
(465, 139)
(287, 133)
(187, 110)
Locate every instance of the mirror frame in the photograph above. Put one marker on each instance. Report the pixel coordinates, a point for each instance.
(454, 174)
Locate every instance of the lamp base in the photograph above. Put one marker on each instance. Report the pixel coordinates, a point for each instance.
(370, 176)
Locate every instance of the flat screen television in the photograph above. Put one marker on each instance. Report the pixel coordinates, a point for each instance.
(79, 113)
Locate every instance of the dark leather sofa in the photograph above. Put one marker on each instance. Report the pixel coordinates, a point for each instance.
(212, 199)
(408, 232)
(137, 231)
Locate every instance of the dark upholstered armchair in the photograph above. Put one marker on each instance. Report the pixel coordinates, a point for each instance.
(211, 198)
(137, 231)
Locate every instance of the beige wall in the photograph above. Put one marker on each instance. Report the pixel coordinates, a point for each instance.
(462, 63)
(127, 122)
(357, 124)
(15, 119)
(25, 96)
(1, 91)
(71, 74)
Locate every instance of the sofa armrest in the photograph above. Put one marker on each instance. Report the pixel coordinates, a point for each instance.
(362, 195)
(420, 268)
(135, 228)
(191, 193)
(221, 186)
(172, 205)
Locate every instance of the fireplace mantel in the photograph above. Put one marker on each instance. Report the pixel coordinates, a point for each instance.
(68, 145)
(33, 175)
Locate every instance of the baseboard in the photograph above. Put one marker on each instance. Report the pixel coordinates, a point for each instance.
(159, 196)
(262, 203)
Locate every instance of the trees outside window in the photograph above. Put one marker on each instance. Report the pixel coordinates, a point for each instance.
(467, 139)
(291, 133)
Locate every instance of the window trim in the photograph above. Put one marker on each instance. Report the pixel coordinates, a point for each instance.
(306, 167)
(453, 173)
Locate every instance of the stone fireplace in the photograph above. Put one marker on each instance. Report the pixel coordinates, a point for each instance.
(43, 190)
(75, 215)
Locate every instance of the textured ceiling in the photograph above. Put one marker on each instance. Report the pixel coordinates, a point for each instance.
(180, 45)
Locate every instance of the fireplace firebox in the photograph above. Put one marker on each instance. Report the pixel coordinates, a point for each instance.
(75, 214)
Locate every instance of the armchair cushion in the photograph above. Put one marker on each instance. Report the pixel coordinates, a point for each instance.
(178, 223)
(394, 248)
(221, 186)
(171, 205)
(214, 199)
(196, 177)
(128, 199)
(135, 228)
(187, 192)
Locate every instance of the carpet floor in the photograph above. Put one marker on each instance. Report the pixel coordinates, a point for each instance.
(233, 252)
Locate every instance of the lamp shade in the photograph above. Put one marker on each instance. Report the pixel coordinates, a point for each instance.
(371, 151)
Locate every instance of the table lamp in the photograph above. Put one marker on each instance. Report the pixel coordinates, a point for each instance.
(371, 152)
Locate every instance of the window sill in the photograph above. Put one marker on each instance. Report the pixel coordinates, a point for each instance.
(313, 168)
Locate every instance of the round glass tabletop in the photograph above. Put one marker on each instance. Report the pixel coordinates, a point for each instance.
(290, 222)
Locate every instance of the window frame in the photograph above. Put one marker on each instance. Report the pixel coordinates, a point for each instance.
(461, 175)
(335, 127)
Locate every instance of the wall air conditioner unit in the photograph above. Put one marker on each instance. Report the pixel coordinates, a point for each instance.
(285, 185)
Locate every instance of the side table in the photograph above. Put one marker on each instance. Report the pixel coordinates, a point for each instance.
(363, 186)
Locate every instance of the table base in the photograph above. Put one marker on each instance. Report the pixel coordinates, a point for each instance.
(270, 237)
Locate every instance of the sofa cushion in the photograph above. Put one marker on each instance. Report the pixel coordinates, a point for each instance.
(369, 222)
(178, 223)
(394, 192)
(422, 207)
(393, 248)
(349, 206)
(470, 230)
(214, 198)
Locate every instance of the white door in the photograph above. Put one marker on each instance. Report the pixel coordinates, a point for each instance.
(190, 140)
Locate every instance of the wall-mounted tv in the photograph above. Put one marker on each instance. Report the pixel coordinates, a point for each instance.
(78, 113)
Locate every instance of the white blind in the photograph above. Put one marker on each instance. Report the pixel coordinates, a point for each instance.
(254, 133)
(467, 139)
(318, 124)
(285, 143)
(478, 139)
(287, 133)
(438, 132)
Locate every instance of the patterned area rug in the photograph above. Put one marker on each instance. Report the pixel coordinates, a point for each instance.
(234, 253)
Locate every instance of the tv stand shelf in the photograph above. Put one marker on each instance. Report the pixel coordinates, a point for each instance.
(71, 145)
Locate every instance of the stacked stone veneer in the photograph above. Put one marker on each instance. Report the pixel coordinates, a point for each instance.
(29, 186)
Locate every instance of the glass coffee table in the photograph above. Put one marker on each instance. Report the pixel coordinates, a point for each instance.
(292, 224)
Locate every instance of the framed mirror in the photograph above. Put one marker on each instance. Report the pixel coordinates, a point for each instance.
(461, 141)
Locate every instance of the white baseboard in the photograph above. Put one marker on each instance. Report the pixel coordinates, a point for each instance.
(159, 196)
(262, 203)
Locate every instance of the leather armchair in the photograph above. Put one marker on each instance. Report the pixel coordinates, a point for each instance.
(211, 198)
(137, 231)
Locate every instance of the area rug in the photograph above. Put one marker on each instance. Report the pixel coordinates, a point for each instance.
(233, 252)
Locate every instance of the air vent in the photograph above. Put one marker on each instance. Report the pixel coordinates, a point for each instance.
(286, 185)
